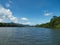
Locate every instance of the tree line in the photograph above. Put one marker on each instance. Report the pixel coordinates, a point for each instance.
(54, 23)
(11, 25)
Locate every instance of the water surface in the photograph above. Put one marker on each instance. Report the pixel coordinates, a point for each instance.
(29, 36)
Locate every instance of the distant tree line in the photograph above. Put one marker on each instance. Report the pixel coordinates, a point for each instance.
(54, 23)
(11, 25)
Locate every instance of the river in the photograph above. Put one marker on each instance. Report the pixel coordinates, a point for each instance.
(29, 36)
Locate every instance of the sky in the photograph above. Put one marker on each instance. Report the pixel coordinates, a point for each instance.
(28, 11)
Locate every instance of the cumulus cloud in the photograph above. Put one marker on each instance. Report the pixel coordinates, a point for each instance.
(24, 19)
(6, 14)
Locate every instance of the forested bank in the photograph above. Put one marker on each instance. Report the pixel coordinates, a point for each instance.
(54, 23)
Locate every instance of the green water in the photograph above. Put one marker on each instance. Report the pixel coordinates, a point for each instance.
(29, 36)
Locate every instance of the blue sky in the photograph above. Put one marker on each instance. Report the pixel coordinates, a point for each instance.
(36, 11)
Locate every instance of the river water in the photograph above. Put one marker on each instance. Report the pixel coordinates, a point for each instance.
(29, 36)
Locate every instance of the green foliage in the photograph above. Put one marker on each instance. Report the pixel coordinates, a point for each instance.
(43, 25)
(54, 23)
(58, 26)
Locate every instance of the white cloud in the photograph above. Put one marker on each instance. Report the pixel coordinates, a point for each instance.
(1, 20)
(47, 13)
(24, 19)
(26, 23)
(7, 14)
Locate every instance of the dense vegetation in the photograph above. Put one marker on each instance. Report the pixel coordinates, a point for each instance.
(54, 23)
